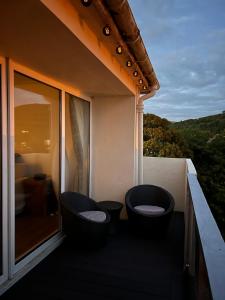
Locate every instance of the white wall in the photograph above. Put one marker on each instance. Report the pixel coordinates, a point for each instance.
(113, 147)
(169, 173)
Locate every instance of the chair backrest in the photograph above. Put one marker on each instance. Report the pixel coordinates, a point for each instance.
(149, 194)
(77, 202)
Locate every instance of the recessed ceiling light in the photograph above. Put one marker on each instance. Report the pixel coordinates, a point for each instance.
(119, 50)
(129, 63)
(107, 30)
(86, 3)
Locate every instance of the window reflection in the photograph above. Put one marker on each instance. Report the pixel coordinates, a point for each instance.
(36, 110)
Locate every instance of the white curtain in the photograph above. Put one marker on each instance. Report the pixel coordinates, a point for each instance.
(77, 144)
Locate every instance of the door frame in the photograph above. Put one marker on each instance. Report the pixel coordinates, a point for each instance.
(13, 266)
(4, 172)
(55, 240)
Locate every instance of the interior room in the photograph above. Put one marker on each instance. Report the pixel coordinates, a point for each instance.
(36, 112)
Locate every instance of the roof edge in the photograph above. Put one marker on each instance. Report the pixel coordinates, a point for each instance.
(124, 20)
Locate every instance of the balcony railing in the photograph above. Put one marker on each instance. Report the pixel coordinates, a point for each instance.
(204, 253)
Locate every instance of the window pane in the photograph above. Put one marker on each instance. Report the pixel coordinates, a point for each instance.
(77, 144)
(36, 110)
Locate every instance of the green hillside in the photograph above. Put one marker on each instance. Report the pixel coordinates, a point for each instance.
(203, 140)
(206, 138)
(215, 123)
(202, 130)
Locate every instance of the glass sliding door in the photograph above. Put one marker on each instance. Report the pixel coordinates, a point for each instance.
(37, 167)
(77, 123)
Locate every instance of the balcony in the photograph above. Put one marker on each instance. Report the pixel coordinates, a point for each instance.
(187, 264)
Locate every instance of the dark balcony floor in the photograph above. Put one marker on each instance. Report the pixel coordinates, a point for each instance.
(126, 268)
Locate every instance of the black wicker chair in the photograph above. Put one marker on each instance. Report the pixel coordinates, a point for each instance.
(78, 228)
(151, 224)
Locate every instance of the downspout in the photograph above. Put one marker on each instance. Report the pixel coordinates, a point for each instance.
(117, 13)
(140, 116)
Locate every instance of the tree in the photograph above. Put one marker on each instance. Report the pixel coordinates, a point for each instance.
(161, 140)
(206, 138)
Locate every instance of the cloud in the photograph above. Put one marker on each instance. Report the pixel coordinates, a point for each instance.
(186, 43)
(181, 20)
(187, 77)
(217, 33)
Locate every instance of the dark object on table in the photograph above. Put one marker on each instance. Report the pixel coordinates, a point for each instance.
(114, 208)
(40, 176)
(18, 158)
(149, 209)
(83, 221)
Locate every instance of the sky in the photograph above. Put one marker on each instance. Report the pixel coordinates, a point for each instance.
(185, 40)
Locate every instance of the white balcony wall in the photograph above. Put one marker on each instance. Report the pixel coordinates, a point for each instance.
(113, 147)
(169, 173)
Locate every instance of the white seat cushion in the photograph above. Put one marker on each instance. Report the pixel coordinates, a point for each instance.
(149, 209)
(94, 215)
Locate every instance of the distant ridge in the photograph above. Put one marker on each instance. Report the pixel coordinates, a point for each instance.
(214, 124)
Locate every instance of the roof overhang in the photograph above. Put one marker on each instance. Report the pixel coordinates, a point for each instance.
(31, 35)
(120, 15)
(64, 40)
